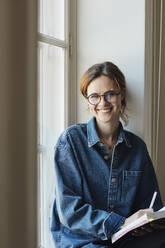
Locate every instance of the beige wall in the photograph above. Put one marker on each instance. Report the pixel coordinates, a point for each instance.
(161, 107)
(154, 85)
(18, 124)
(161, 140)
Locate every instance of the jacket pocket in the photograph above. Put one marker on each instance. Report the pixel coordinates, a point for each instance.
(130, 182)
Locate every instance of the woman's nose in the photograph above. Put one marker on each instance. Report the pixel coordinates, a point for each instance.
(102, 101)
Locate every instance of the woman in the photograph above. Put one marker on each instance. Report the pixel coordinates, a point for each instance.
(103, 173)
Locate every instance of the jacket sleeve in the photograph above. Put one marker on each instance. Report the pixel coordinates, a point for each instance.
(73, 212)
(148, 185)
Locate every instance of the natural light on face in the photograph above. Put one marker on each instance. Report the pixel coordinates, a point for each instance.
(104, 111)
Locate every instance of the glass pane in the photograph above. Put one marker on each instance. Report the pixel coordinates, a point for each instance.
(52, 18)
(51, 123)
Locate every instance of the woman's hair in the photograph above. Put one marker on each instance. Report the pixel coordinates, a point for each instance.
(111, 71)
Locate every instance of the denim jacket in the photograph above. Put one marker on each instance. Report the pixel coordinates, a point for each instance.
(94, 191)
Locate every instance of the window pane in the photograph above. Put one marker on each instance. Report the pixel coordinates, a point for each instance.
(52, 18)
(51, 118)
(51, 91)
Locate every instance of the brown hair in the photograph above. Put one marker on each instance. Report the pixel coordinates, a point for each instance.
(110, 70)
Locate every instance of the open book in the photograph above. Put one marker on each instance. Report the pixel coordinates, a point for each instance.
(157, 217)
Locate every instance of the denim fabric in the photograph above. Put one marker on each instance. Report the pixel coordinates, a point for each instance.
(94, 191)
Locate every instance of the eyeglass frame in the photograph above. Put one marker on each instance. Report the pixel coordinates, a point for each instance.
(115, 94)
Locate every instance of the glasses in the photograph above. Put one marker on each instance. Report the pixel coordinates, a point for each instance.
(109, 96)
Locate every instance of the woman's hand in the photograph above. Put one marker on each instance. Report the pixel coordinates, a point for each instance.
(141, 230)
(148, 229)
(135, 216)
(157, 226)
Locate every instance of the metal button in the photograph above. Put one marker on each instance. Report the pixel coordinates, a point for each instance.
(114, 179)
(106, 157)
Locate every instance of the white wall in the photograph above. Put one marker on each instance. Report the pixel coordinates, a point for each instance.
(113, 30)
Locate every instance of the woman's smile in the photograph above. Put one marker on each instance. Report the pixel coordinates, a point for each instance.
(105, 110)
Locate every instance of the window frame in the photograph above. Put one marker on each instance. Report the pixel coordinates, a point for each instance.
(70, 75)
(70, 59)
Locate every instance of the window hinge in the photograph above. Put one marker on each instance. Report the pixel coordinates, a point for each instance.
(70, 45)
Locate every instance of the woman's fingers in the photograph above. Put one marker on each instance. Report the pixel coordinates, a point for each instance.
(138, 232)
(147, 229)
(142, 231)
(157, 226)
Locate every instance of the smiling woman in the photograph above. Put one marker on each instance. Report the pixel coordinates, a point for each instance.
(114, 81)
(104, 86)
(105, 111)
(103, 173)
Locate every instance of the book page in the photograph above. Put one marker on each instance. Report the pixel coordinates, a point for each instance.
(163, 208)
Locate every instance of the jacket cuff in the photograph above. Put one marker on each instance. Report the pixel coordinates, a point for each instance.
(112, 224)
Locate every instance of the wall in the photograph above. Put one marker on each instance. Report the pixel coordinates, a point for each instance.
(154, 119)
(161, 104)
(18, 165)
(113, 30)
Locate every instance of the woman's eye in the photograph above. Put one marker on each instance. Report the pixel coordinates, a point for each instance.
(112, 93)
(109, 94)
(94, 96)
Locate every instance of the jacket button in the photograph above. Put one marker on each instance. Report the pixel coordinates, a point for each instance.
(106, 157)
(114, 179)
(111, 206)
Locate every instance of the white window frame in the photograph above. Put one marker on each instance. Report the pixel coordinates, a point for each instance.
(69, 80)
(70, 59)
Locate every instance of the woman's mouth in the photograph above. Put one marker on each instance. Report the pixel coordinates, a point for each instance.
(105, 110)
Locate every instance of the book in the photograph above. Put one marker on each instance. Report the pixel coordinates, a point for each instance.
(156, 217)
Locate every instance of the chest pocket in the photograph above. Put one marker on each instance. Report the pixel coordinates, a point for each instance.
(130, 182)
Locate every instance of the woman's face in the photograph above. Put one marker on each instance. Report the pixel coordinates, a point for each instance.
(104, 111)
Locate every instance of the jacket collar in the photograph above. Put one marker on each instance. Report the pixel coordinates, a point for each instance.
(93, 137)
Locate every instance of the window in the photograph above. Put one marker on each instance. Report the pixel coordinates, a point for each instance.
(55, 60)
